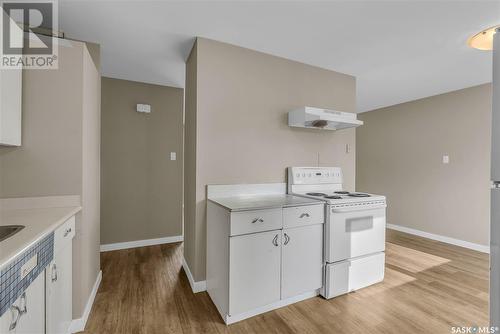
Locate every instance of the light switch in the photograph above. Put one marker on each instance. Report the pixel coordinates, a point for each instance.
(446, 159)
(347, 148)
(173, 156)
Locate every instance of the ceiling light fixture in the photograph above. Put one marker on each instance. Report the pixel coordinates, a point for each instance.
(483, 40)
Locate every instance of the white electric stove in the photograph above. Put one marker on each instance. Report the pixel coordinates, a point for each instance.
(354, 229)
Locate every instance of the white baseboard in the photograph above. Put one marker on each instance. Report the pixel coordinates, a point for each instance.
(448, 240)
(195, 286)
(78, 325)
(238, 317)
(141, 243)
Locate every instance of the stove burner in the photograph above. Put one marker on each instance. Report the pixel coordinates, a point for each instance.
(342, 192)
(358, 195)
(316, 194)
(333, 197)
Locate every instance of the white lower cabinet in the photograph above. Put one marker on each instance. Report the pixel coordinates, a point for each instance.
(265, 266)
(302, 260)
(46, 304)
(254, 275)
(27, 314)
(59, 281)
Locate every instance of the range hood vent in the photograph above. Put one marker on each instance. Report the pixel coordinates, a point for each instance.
(323, 119)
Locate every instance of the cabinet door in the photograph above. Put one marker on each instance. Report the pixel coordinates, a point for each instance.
(31, 303)
(302, 266)
(254, 270)
(10, 106)
(59, 292)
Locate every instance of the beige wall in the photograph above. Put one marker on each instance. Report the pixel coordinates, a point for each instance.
(242, 136)
(49, 162)
(59, 154)
(88, 261)
(399, 154)
(141, 187)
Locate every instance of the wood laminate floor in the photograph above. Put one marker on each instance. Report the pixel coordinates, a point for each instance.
(429, 286)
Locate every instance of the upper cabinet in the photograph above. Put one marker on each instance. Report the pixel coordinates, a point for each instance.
(10, 106)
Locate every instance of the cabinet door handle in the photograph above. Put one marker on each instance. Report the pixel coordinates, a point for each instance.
(275, 240)
(260, 220)
(54, 273)
(305, 214)
(287, 239)
(22, 304)
(68, 231)
(19, 310)
(16, 314)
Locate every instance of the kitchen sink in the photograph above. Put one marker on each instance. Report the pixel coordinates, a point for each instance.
(7, 231)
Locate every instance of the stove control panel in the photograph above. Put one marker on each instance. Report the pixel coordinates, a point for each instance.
(314, 175)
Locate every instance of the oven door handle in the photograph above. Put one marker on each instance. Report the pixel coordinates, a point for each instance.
(360, 208)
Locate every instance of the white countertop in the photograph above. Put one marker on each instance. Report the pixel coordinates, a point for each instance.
(258, 202)
(38, 223)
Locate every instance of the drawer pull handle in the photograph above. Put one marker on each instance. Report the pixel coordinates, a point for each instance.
(287, 239)
(68, 231)
(275, 240)
(259, 220)
(304, 215)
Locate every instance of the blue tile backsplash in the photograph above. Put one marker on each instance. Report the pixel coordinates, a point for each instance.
(11, 284)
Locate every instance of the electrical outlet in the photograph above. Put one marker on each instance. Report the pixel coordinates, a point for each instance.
(29, 266)
(446, 159)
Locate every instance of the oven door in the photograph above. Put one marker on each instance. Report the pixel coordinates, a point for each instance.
(353, 232)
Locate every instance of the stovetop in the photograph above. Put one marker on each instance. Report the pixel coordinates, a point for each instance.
(337, 197)
(325, 183)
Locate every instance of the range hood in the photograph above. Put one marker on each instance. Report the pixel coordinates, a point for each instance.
(317, 118)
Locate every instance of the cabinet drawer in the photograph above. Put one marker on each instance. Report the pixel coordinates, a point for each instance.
(255, 221)
(346, 276)
(303, 215)
(64, 234)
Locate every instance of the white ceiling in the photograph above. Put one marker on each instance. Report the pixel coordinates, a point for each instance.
(398, 50)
